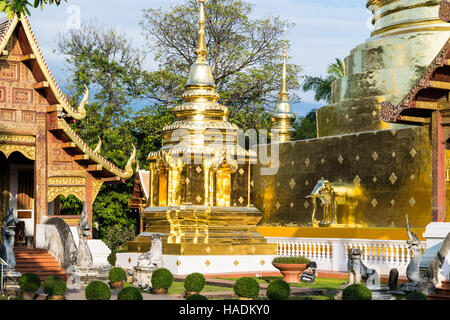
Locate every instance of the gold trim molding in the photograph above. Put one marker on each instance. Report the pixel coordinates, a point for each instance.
(405, 25)
(77, 191)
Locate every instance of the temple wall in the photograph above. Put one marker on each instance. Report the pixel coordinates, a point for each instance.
(386, 173)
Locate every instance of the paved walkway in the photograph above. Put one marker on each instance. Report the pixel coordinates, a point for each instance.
(79, 295)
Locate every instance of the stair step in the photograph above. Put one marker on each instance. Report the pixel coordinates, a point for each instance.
(438, 297)
(446, 284)
(32, 269)
(39, 262)
(440, 290)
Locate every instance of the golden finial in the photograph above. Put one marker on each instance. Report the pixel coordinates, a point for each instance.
(202, 51)
(284, 95)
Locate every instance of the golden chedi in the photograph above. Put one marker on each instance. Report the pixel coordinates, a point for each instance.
(200, 180)
(406, 37)
(282, 130)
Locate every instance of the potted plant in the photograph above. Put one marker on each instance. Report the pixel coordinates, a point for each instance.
(130, 293)
(29, 283)
(291, 267)
(117, 277)
(161, 281)
(54, 287)
(246, 288)
(97, 290)
(193, 284)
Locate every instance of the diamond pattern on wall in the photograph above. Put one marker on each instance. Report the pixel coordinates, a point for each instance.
(292, 184)
(198, 169)
(292, 163)
(208, 249)
(306, 204)
(375, 156)
(374, 179)
(357, 181)
(374, 113)
(207, 263)
(198, 198)
(291, 205)
(392, 202)
(241, 200)
(262, 262)
(412, 202)
(393, 154)
(188, 180)
(236, 263)
(413, 153)
(357, 157)
(278, 205)
(374, 202)
(322, 161)
(393, 178)
(340, 159)
(306, 183)
(412, 177)
(307, 162)
(241, 171)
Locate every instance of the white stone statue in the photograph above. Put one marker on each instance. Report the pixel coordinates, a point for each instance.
(153, 258)
(84, 258)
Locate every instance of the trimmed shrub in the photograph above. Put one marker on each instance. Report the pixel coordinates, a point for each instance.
(291, 260)
(97, 290)
(416, 296)
(278, 290)
(246, 287)
(29, 282)
(130, 293)
(117, 275)
(112, 258)
(196, 297)
(194, 282)
(357, 291)
(162, 279)
(54, 286)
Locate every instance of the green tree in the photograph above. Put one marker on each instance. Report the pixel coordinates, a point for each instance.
(103, 59)
(11, 7)
(322, 86)
(305, 127)
(244, 53)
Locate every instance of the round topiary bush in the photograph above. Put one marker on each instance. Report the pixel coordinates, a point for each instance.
(29, 282)
(112, 258)
(357, 291)
(130, 293)
(117, 275)
(54, 286)
(196, 297)
(416, 296)
(162, 279)
(97, 290)
(195, 282)
(246, 287)
(278, 290)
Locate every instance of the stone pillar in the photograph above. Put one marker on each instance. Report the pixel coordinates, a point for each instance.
(438, 168)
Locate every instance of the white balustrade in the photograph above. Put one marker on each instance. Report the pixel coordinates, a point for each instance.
(332, 254)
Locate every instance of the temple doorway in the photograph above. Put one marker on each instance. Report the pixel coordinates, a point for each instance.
(17, 190)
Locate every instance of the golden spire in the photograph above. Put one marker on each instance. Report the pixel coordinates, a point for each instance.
(201, 74)
(283, 117)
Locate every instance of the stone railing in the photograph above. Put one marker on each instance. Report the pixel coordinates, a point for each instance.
(332, 254)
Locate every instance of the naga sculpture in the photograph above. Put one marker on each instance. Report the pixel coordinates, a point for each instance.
(8, 233)
(357, 271)
(414, 244)
(84, 258)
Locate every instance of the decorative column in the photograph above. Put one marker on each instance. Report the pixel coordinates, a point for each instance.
(438, 168)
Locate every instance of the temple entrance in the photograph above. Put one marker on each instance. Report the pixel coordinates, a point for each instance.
(17, 190)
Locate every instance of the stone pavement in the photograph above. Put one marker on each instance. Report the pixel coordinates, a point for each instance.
(79, 295)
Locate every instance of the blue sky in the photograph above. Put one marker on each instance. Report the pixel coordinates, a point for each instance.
(323, 29)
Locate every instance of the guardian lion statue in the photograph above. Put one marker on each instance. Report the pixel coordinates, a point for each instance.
(153, 258)
(358, 271)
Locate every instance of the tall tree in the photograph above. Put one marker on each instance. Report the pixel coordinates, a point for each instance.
(244, 54)
(305, 127)
(104, 60)
(322, 86)
(11, 7)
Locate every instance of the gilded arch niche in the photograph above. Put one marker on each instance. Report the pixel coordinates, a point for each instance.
(15, 143)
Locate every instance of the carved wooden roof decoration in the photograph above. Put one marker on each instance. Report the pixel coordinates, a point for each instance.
(60, 111)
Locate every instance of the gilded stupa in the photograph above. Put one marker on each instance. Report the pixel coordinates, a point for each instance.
(200, 180)
(283, 116)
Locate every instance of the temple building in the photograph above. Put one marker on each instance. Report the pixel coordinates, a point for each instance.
(41, 156)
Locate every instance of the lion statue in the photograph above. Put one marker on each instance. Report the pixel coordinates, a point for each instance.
(358, 271)
(152, 258)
